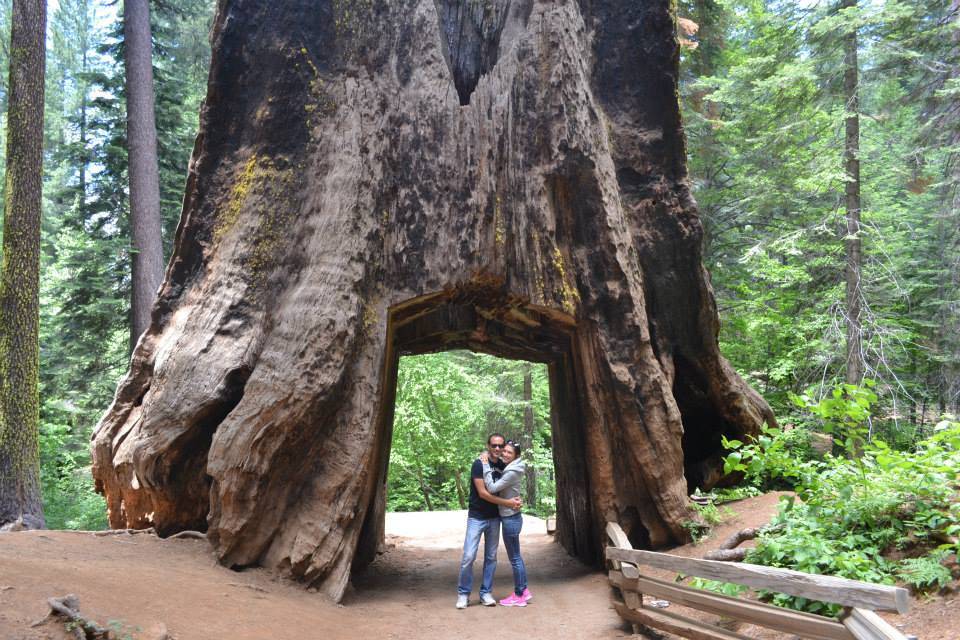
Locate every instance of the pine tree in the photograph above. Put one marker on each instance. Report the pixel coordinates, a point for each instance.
(851, 162)
(85, 283)
(20, 497)
(144, 172)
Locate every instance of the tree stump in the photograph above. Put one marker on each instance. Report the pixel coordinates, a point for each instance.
(374, 179)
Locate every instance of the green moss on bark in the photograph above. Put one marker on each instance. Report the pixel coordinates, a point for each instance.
(20, 498)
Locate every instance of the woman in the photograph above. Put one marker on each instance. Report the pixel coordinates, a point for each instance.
(508, 486)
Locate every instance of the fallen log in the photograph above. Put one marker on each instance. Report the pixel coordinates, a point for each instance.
(726, 555)
(188, 535)
(119, 532)
(68, 608)
(728, 552)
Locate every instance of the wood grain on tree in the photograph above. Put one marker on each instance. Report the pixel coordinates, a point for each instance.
(805, 625)
(842, 591)
(379, 179)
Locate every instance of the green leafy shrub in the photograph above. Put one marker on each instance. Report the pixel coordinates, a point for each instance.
(69, 500)
(770, 461)
(851, 512)
(697, 529)
(726, 588)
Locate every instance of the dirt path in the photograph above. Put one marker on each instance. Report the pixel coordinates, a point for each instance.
(144, 585)
(141, 582)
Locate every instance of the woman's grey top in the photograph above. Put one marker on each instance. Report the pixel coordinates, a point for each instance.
(508, 486)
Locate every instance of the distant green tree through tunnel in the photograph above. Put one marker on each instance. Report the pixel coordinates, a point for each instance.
(447, 403)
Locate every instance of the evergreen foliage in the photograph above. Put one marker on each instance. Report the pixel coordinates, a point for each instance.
(85, 283)
(447, 404)
(764, 112)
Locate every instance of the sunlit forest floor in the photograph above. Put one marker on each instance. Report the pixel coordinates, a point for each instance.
(146, 587)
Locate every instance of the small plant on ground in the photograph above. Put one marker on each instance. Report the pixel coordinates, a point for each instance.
(710, 516)
(698, 530)
(120, 630)
(732, 494)
(926, 573)
(726, 588)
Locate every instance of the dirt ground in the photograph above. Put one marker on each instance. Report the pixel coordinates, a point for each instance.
(146, 588)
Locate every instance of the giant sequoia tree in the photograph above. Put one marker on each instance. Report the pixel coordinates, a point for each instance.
(379, 178)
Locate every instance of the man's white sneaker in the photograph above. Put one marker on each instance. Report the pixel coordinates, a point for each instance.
(488, 600)
(462, 601)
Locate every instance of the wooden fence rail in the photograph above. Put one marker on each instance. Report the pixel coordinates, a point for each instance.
(860, 599)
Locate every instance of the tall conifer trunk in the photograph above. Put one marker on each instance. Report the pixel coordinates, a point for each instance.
(145, 224)
(851, 162)
(949, 240)
(20, 498)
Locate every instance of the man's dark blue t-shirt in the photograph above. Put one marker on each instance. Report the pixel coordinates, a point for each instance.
(480, 508)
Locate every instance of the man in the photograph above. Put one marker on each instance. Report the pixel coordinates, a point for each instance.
(483, 519)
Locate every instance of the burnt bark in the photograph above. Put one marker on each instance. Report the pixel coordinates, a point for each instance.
(343, 208)
(143, 166)
(20, 498)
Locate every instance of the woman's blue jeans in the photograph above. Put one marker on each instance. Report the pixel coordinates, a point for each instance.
(511, 540)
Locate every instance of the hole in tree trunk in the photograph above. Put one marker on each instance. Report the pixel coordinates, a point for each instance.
(470, 34)
(186, 469)
(440, 323)
(447, 405)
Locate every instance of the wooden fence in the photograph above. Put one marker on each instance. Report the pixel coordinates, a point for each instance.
(859, 599)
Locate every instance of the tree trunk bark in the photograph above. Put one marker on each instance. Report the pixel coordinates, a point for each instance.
(83, 158)
(423, 487)
(145, 223)
(344, 208)
(20, 497)
(851, 160)
(461, 494)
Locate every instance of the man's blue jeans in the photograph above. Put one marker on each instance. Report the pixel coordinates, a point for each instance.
(511, 540)
(489, 528)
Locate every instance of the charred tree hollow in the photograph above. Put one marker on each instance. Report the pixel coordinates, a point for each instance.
(458, 320)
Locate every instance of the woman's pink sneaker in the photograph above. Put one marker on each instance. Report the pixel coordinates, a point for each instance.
(513, 600)
(526, 595)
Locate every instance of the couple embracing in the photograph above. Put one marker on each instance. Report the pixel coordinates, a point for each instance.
(495, 481)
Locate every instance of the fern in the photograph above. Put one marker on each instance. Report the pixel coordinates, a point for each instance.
(925, 573)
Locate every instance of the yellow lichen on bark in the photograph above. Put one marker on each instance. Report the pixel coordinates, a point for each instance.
(569, 297)
(238, 196)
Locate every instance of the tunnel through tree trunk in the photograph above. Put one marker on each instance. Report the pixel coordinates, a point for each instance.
(343, 208)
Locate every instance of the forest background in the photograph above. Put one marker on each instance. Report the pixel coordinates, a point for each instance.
(765, 108)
